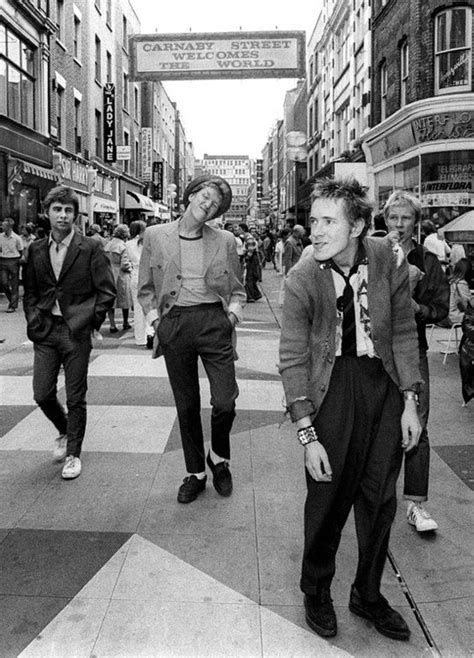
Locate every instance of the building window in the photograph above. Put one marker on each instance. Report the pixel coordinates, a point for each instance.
(453, 50)
(98, 63)
(383, 91)
(108, 58)
(77, 126)
(124, 33)
(136, 107)
(342, 48)
(60, 114)
(60, 19)
(98, 133)
(17, 78)
(125, 91)
(108, 13)
(126, 142)
(403, 73)
(77, 38)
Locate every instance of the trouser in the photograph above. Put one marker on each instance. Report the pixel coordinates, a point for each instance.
(10, 279)
(359, 425)
(57, 349)
(185, 334)
(417, 460)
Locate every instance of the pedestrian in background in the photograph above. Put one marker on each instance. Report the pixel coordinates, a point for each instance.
(430, 301)
(116, 250)
(459, 292)
(191, 290)
(253, 272)
(69, 288)
(11, 250)
(348, 361)
(293, 248)
(27, 237)
(142, 331)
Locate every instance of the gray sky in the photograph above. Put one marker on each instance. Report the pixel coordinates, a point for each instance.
(228, 116)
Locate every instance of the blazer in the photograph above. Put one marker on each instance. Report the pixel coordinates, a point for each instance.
(308, 334)
(159, 279)
(85, 289)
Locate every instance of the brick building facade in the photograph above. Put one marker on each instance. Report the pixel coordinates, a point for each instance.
(422, 135)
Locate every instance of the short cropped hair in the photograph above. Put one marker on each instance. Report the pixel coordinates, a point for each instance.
(353, 195)
(401, 197)
(64, 195)
(121, 231)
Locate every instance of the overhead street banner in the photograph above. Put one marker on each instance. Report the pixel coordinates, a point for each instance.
(204, 56)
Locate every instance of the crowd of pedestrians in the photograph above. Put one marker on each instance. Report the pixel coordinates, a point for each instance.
(353, 349)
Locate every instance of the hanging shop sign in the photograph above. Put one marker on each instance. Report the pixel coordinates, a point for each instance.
(218, 55)
(109, 123)
(157, 187)
(147, 155)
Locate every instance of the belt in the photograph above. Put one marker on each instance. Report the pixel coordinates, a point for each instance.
(177, 310)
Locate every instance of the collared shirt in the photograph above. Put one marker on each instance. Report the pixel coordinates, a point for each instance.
(11, 245)
(358, 280)
(57, 254)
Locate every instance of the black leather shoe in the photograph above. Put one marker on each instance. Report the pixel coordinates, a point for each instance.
(221, 476)
(386, 620)
(191, 488)
(320, 614)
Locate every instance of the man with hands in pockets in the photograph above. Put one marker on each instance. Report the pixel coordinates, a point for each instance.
(349, 365)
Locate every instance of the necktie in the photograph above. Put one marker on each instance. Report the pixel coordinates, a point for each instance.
(345, 304)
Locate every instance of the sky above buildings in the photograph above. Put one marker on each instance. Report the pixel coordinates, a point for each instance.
(228, 116)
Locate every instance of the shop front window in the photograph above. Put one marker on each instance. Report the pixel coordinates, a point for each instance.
(447, 183)
(17, 78)
(383, 186)
(406, 176)
(453, 50)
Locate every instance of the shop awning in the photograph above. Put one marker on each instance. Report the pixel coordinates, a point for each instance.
(104, 205)
(135, 201)
(41, 172)
(460, 229)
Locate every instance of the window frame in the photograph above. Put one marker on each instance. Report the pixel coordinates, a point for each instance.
(404, 68)
(439, 53)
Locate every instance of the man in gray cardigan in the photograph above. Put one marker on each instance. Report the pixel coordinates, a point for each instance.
(349, 364)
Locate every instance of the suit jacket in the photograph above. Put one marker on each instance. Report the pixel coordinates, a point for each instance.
(85, 289)
(159, 280)
(308, 334)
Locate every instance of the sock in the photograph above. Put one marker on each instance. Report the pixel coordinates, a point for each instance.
(200, 476)
(215, 459)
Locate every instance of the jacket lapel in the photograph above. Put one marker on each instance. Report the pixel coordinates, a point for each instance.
(71, 255)
(45, 260)
(211, 245)
(172, 245)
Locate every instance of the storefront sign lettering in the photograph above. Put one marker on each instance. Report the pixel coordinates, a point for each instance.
(109, 123)
(446, 125)
(204, 56)
(147, 155)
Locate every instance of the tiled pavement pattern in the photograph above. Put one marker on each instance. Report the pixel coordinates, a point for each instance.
(111, 565)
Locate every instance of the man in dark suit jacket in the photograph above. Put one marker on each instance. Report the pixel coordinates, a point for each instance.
(69, 287)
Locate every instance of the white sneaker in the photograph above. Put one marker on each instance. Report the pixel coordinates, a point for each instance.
(72, 468)
(60, 448)
(420, 518)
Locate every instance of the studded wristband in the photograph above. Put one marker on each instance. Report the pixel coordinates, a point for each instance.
(307, 435)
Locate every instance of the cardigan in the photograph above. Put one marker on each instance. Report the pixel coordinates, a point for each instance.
(308, 333)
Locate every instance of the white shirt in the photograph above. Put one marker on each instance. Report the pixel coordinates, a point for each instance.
(57, 254)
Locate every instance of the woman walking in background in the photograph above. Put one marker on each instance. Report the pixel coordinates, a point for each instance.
(459, 293)
(121, 267)
(142, 331)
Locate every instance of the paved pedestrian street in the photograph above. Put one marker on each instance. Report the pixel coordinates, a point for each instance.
(111, 565)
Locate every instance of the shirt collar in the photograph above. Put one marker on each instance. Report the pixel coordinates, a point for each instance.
(66, 241)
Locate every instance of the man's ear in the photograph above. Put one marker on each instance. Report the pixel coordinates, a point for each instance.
(357, 228)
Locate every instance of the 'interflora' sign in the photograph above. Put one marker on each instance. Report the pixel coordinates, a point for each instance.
(223, 55)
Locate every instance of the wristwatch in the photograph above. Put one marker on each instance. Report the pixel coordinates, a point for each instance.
(410, 395)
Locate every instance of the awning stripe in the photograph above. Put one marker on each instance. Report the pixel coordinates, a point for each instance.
(41, 172)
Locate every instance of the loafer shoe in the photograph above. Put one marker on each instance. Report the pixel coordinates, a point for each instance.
(72, 468)
(191, 488)
(418, 516)
(320, 614)
(386, 620)
(221, 476)
(60, 448)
